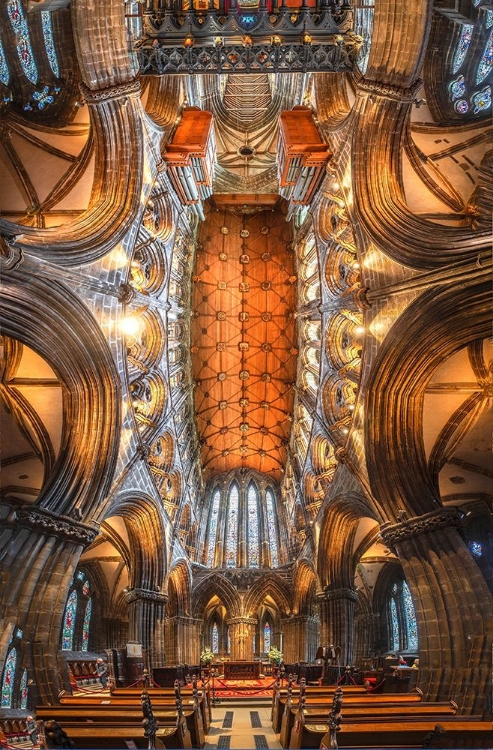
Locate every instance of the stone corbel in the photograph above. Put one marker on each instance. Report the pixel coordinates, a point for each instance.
(394, 533)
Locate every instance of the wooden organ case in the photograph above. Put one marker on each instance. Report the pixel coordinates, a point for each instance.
(190, 157)
(301, 155)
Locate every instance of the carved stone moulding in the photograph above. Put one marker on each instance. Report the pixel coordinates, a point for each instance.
(45, 522)
(112, 92)
(137, 594)
(333, 594)
(391, 91)
(442, 518)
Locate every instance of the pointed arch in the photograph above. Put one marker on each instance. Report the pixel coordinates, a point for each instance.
(232, 525)
(253, 529)
(268, 585)
(179, 589)
(304, 587)
(216, 585)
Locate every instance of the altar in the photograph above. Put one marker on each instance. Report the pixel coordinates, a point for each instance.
(242, 670)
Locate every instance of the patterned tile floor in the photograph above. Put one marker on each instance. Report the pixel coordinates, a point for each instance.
(242, 735)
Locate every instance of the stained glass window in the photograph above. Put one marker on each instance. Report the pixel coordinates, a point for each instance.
(488, 19)
(486, 62)
(253, 530)
(267, 634)
(23, 689)
(215, 639)
(85, 627)
(216, 498)
(411, 625)
(24, 49)
(271, 524)
(49, 41)
(86, 589)
(8, 679)
(394, 625)
(462, 46)
(228, 642)
(69, 622)
(476, 549)
(232, 531)
(4, 68)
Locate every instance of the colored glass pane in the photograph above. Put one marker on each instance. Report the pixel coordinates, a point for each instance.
(85, 627)
(462, 46)
(394, 626)
(8, 679)
(457, 88)
(481, 100)
(488, 19)
(272, 526)
(228, 642)
(267, 634)
(4, 68)
(216, 498)
(410, 614)
(86, 589)
(23, 689)
(232, 530)
(49, 42)
(486, 63)
(24, 49)
(253, 532)
(80, 575)
(215, 639)
(69, 622)
(476, 549)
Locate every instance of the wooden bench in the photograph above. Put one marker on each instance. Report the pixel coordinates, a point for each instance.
(111, 736)
(14, 732)
(391, 734)
(156, 693)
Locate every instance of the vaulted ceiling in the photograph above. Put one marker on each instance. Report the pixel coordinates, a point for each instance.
(243, 340)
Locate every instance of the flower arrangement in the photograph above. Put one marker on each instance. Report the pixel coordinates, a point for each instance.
(275, 656)
(207, 656)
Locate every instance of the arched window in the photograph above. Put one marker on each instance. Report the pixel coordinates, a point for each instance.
(272, 526)
(267, 635)
(85, 627)
(49, 41)
(8, 678)
(228, 642)
(232, 530)
(216, 499)
(410, 617)
(215, 639)
(23, 689)
(69, 622)
(253, 527)
(24, 49)
(402, 625)
(4, 68)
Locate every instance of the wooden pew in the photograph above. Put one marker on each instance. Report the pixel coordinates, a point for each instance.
(156, 693)
(111, 736)
(317, 714)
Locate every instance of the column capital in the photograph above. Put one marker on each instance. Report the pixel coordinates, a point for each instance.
(134, 595)
(333, 594)
(442, 518)
(121, 90)
(46, 522)
(390, 90)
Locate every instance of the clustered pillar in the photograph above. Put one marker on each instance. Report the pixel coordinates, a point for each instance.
(147, 622)
(337, 610)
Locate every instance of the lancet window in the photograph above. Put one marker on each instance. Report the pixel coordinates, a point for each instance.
(402, 625)
(77, 615)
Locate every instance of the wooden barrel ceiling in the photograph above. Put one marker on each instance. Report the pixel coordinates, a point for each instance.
(243, 340)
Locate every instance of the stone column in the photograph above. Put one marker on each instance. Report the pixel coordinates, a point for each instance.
(301, 638)
(241, 632)
(183, 642)
(146, 622)
(39, 553)
(453, 604)
(365, 635)
(337, 620)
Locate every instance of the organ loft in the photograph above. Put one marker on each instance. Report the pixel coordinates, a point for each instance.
(246, 373)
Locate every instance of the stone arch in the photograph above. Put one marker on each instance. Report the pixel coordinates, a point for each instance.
(304, 587)
(179, 589)
(216, 585)
(37, 314)
(268, 585)
(145, 527)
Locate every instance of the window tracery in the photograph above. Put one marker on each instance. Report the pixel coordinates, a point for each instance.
(215, 639)
(77, 615)
(272, 527)
(253, 527)
(24, 690)
(69, 622)
(8, 678)
(24, 48)
(267, 637)
(50, 42)
(402, 624)
(232, 533)
(216, 499)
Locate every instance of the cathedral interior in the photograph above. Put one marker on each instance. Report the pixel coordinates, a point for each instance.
(246, 362)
